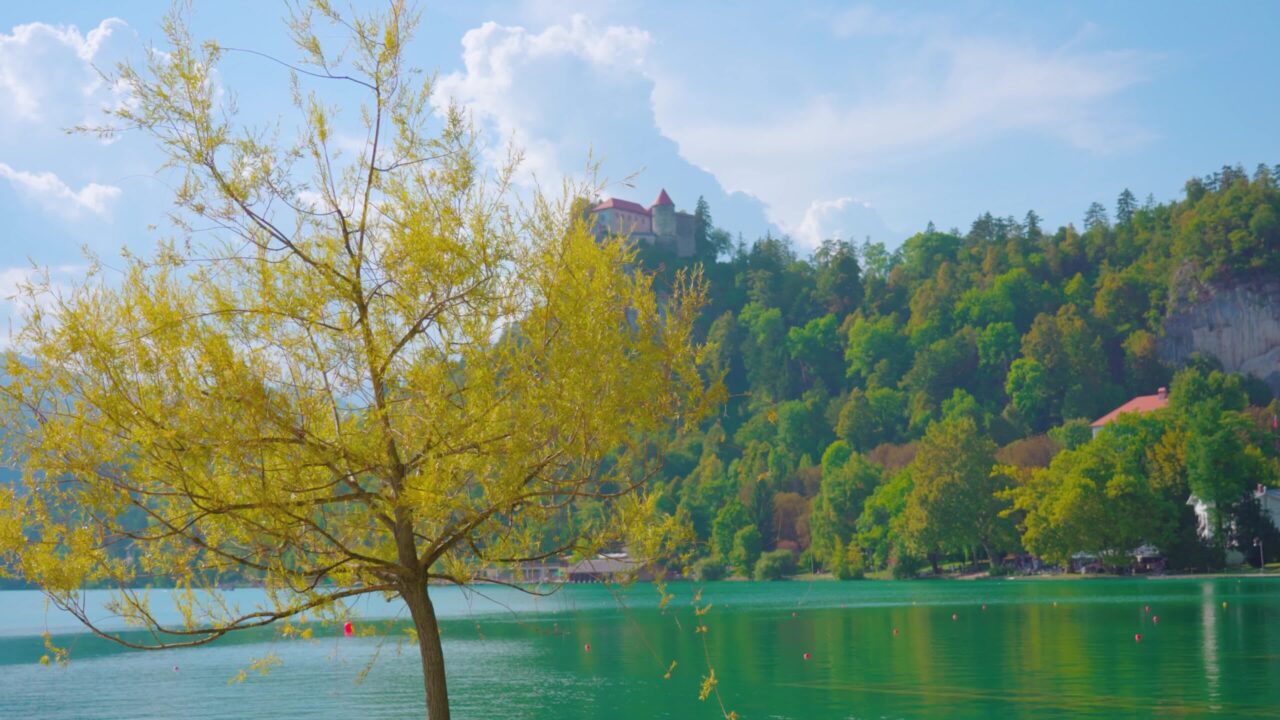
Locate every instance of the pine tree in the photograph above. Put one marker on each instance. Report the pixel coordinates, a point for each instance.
(1126, 204)
(1032, 223)
(1095, 216)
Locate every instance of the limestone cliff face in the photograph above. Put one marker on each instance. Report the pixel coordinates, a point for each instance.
(1239, 324)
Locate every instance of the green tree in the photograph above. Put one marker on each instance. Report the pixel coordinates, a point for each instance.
(1096, 217)
(1072, 433)
(1126, 205)
(731, 518)
(880, 524)
(775, 565)
(802, 430)
(1104, 497)
(873, 417)
(998, 347)
(818, 348)
(319, 395)
(764, 351)
(1222, 462)
(953, 503)
(1075, 366)
(876, 352)
(746, 550)
(702, 227)
(847, 480)
(838, 278)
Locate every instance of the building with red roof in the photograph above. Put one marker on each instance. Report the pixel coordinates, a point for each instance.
(660, 224)
(1140, 404)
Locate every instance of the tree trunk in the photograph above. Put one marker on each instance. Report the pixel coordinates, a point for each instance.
(424, 621)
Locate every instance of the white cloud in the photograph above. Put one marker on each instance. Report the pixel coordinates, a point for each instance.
(48, 75)
(576, 91)
(843, 218)
(510, 73)
(942, 92)
(54, 195)
(581, 86)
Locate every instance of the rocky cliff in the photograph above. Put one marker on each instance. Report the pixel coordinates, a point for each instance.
(1238, 323)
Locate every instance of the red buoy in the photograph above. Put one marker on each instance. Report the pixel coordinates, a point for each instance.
(807, 656)
(347, 629)
(895, 632)
(587, 647)
(1137, 637)
(1146, 608)
(1155, 619)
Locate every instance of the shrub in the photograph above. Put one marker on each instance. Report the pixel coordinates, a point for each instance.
(839, 560)
(708, 569)
(905, 567)
(808, 560)
(848, 564)
(746, 550)
(1000, 571)
(775, 565)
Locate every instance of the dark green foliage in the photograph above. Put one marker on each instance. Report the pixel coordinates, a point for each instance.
(746, 550)
(905, 567)
(1012, 328)
(1253, 533)
(775, 565)
(1072, 433)
(708, 569)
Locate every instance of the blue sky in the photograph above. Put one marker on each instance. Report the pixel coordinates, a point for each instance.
(813, 119)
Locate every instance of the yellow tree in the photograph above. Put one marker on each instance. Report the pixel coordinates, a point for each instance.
(350, 375)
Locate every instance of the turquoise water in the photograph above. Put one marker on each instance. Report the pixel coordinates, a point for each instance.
(1039, 649)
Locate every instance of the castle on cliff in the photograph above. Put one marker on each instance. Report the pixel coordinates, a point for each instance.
(660, 224)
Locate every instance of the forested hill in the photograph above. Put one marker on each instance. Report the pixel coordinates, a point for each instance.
(848, 357)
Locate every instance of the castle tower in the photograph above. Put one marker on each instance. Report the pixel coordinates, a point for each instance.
(664, 215)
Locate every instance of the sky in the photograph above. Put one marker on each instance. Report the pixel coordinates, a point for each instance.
(810, 119)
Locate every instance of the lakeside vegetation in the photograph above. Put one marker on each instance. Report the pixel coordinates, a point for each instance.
(895, 409)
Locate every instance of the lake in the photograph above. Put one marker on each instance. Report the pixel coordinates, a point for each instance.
(1040, 648)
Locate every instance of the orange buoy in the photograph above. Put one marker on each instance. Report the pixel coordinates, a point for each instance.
(895, 632)
(1137, 637)
(347, 629)
(587, 647)
(1224, 604)
(807, 656)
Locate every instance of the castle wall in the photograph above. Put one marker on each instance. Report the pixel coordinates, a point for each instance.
(664, 220)
(685, 224)
(621, 222)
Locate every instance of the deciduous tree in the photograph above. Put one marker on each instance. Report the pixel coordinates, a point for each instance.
(350, 376)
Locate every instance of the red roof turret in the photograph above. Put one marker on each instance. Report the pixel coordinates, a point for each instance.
(663, 199)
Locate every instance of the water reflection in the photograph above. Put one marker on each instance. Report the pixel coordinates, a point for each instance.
(1040, 649)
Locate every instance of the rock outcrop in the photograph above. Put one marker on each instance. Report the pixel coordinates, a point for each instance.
(1239, 324)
